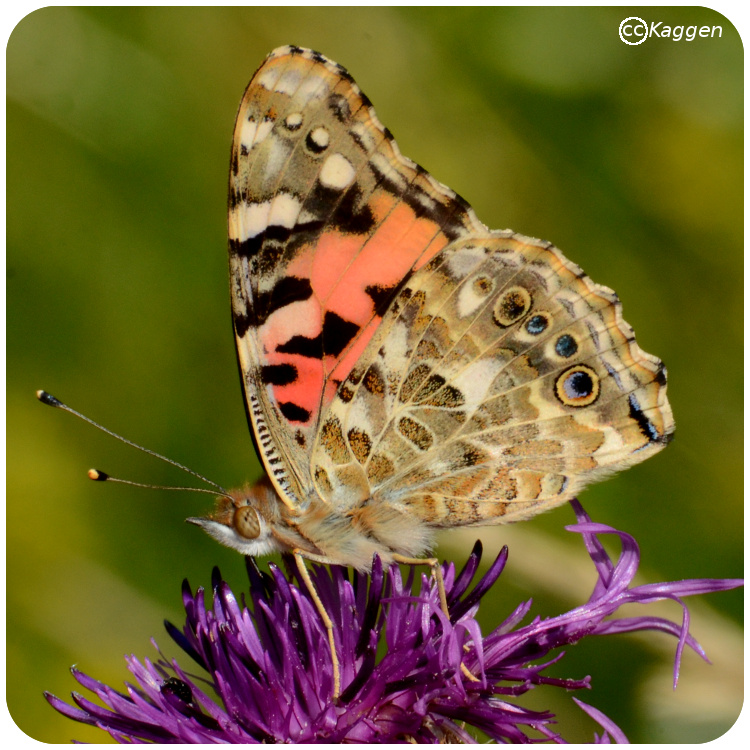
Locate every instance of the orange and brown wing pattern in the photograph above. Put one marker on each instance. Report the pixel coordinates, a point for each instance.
(327, 222)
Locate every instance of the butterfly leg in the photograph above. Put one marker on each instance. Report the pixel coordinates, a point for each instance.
(304, 573)
(437, 572)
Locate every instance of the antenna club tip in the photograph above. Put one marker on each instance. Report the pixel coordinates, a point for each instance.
(47, 398)
(97, 476)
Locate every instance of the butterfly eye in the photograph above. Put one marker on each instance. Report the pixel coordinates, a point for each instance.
(246, 522)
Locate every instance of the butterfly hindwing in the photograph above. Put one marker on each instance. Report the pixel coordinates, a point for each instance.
(500, 382)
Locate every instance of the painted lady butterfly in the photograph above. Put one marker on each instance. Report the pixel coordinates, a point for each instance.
(405, 368)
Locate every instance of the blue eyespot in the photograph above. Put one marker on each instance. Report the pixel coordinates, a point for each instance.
(578, 386)
(566, 346)
(537, 324)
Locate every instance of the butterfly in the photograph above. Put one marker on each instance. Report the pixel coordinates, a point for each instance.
(405, 368)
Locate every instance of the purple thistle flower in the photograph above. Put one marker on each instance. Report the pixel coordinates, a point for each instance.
(269, 667)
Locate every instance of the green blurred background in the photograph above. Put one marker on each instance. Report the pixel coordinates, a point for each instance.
(119, 126)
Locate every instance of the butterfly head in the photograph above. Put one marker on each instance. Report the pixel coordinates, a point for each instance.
(244, 520)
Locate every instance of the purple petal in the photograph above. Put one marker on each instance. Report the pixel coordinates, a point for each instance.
(604, 721)
(269, 669)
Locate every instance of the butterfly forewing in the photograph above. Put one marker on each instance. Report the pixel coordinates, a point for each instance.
(326, 222)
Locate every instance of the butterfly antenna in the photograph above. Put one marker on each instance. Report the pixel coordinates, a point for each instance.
(97, 475)
(100, 476)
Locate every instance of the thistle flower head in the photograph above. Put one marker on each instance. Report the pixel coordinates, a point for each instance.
(270, 673)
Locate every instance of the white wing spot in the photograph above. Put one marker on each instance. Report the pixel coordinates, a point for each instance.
(320, 137)
(475, 380)
(288, 82)
(337, 172)
(253, 133)
(284, 211)
(293, 121)
(248, 220)
(463, 262)
(312, 88)
(269, 77)
(474, 293)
